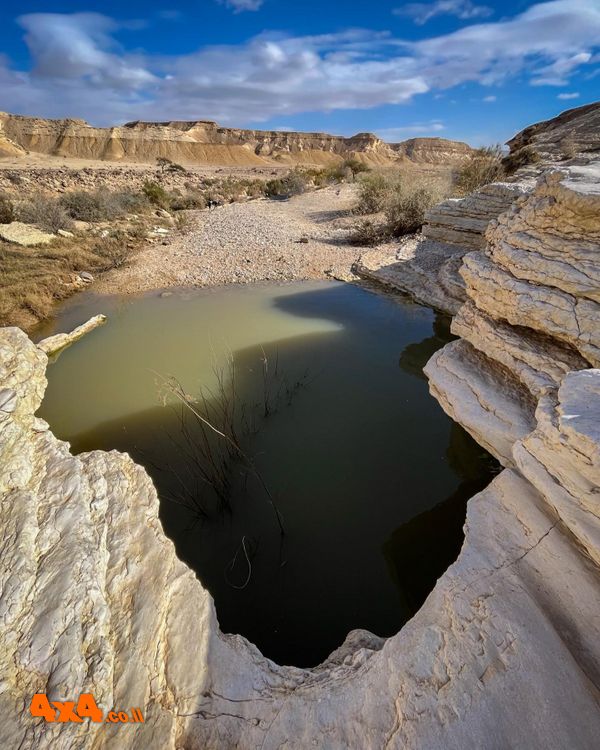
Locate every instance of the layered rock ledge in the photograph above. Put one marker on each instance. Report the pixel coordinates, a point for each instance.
(426, 266)
(504, 653)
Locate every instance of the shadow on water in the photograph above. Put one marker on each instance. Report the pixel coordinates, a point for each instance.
(370, 475)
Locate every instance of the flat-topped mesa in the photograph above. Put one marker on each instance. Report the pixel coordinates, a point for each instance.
(206, 142)
(434, 150)
(573, 131)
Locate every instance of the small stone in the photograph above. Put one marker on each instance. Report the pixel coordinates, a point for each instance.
(86, 276)
(65, 233)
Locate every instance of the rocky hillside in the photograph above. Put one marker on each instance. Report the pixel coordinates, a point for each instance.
(576, 130)
(205, 142)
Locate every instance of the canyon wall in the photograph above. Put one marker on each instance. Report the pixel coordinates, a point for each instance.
(205, 142)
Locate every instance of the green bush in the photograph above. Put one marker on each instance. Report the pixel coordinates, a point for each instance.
(193, 199)
(355, 166)
(46, 213)
(374, 193)
(482, 167)
(294, 183)
(156, 194)
(7, 210)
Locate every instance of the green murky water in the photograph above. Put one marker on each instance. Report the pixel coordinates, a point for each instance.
(369, 475)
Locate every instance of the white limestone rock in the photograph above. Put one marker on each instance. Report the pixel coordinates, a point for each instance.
(464, 221)
(93, 599)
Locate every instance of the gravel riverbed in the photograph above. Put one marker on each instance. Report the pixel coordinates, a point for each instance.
(304, 237)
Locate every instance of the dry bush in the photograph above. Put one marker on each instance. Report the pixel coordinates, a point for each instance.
(102, 204)
(46, 213)
(374, 192)
(405, 213)
(521, 158)
(294, 183)
(481, 168)
(32, 280)
(368, 232)
(193, 199)
(404, 202)
(7, 209)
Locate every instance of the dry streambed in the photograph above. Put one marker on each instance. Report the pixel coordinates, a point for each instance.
(304, 237)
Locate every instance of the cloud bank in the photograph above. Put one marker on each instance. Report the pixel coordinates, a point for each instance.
(79, 70)
(463, 9)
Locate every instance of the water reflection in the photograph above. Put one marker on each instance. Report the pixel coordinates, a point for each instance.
(361, 451)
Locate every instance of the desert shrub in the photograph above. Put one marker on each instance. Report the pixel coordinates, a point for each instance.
(102, 205)
(111, 252)
(404, 203)
(521, 158)
(367, 232)
(83, 206)
(374, 192)
(193, 199)
(255, 188)
(294, 183)
(156, 194)
(46, 213)
(14, 178)
(405, 213)
(126, 202)
(568, 147)
(482, 167)
(355, 166)
(163, 162)
(337, 173)
(7, 209)
(174, 167)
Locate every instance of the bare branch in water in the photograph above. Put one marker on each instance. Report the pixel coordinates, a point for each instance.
(174, 387)
(231, 565)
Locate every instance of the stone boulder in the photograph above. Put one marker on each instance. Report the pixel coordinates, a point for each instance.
(24, 234)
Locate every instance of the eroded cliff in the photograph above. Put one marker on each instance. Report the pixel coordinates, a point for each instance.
(205, 142)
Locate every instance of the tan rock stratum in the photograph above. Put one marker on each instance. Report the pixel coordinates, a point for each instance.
(206, 142)
(505, 652)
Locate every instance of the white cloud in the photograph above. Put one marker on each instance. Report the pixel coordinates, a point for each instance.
(241, 5)
(463, 9)
(79, 70)
(574, 95)
(391, 135)
(489, 99)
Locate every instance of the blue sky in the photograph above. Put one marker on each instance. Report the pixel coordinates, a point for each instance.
(464, 69)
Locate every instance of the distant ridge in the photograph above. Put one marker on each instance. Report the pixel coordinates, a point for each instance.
(203, 142)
